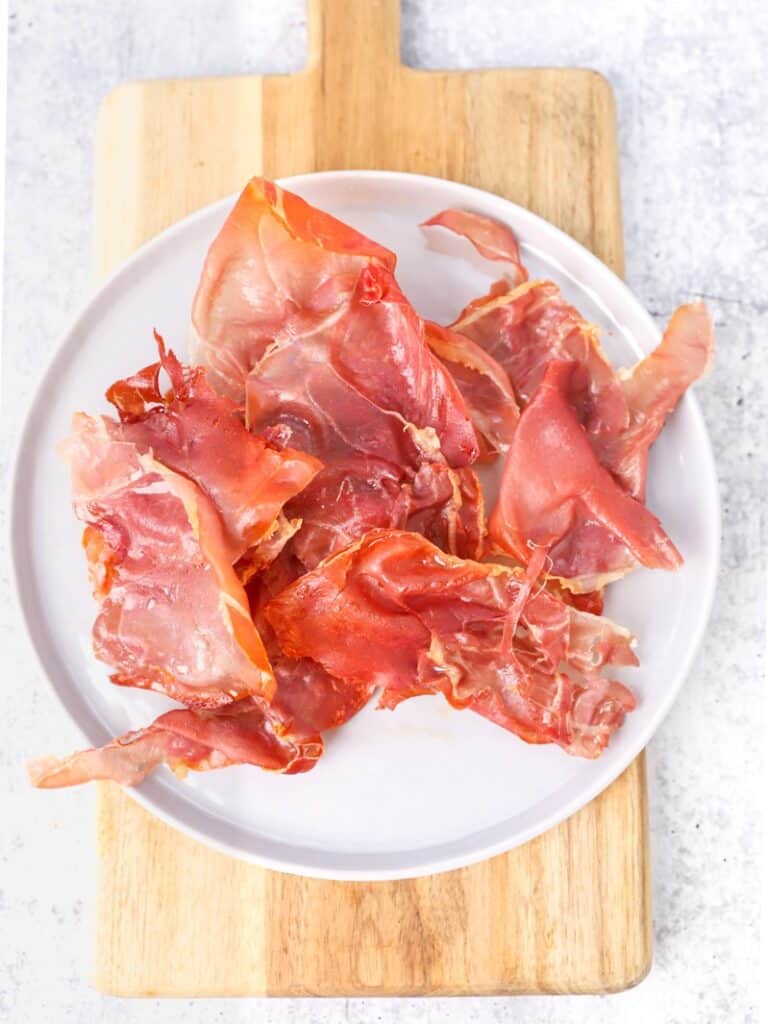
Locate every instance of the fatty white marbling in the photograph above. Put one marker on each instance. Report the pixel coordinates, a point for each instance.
(689, 79)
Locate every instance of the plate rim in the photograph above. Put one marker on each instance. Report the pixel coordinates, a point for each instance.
(422, 864)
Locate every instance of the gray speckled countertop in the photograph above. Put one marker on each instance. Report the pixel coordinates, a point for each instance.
(689, 78)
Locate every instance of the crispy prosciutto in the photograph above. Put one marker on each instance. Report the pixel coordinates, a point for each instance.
(373, 360)
(523, 327)
(278, 269)
(243, 732)
(312, 698)
(592, 601)
(555, 495)
(173, 615)
(478, 633)
(652, 389)
(196, 432)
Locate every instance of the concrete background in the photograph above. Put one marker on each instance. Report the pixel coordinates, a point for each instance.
(690, 79)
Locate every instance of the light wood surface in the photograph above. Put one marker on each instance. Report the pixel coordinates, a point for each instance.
(568, 912)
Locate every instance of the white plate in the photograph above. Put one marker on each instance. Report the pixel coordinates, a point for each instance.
(424, 788)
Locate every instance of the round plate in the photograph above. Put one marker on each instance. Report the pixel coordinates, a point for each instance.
(423, 788)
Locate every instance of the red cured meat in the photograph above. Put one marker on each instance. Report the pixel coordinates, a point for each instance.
(652, 389)
(592, 601)
(368, 380)
(433, 623)
(283, 736)
(245, 732)
(484, 385)
(277, 269)
(307, 697)
(526, 324)
(363, 424)
(173, 615)
(303, 314)
(556, 495)
(365, 396)
(526, 328)
(194, 431)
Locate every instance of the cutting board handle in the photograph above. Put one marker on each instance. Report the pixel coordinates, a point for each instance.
(361, 33)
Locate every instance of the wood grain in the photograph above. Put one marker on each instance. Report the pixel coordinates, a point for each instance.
(568, 912)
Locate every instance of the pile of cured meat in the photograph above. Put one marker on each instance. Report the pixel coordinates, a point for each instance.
(294, 521)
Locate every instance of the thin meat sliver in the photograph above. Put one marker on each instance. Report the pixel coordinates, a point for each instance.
(244, 732)
(492, 239)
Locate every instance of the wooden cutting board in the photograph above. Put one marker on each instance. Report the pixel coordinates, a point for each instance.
(568, 912)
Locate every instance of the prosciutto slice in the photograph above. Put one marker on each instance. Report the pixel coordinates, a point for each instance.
(282, 736)
(365, 396)
(490, 237)
(173, 615)
(475, 632)
(244, 732)
(556, 495)
(200, 434)
(307, 697)
(278, 268)
(652, 389)
(527, 327)
(302, 315)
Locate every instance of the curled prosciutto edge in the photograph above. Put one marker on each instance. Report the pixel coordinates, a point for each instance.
(243, 732)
